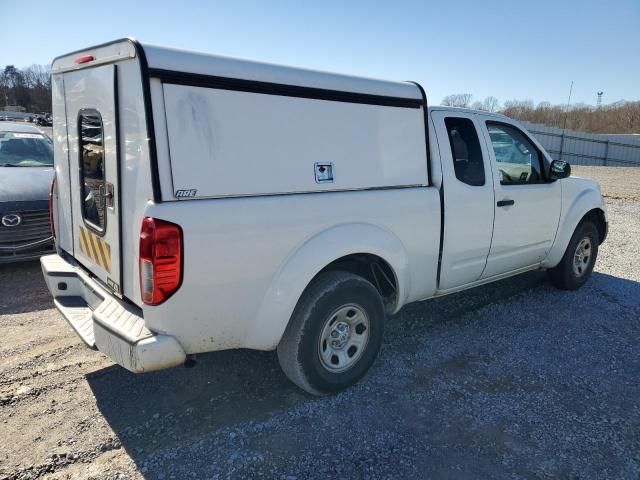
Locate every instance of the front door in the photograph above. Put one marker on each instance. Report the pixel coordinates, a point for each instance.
(93, 160)
(527, 206)
(468, 198)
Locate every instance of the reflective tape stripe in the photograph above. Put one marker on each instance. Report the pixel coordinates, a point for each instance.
(102, 255)
(95, 242)
(95, 248)
(83, 243)
(107, 251)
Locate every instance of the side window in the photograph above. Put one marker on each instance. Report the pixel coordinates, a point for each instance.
(92, 169)
(465, 150)
(517, 158)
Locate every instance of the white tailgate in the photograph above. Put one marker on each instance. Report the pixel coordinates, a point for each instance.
(91, 125)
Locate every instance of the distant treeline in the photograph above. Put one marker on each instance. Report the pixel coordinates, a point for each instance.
(618, 117)
(29, 87)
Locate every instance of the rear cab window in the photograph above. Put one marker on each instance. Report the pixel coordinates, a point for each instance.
(465, 151)
(92, 178)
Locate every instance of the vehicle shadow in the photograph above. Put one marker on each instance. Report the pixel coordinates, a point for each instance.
(22, 288)
(616, 290)
(158, 410)
(161, 409)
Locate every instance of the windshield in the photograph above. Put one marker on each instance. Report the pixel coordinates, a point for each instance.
(25, 150)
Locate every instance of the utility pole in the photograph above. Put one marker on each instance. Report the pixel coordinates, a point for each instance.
(564, 126)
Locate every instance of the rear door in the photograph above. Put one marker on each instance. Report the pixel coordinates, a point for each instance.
(90, 98)
(468, 198)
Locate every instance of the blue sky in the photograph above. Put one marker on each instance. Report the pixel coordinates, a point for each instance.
(508, 49)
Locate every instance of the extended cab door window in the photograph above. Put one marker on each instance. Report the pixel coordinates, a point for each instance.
(517, 158)
(466, 153)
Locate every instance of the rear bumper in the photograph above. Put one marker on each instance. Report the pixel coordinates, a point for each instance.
(102, 321)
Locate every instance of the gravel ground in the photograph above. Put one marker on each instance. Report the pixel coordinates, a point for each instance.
(511, 380)
(615, 182)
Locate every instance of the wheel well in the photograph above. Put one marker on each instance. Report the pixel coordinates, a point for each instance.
(374, 269)
(597, 217)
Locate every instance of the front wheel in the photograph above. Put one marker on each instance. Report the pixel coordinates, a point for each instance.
(334, 334)
(579, 259)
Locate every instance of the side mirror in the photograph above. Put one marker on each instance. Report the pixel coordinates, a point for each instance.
(559, 169)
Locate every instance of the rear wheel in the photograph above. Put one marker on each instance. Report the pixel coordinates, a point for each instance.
(334, 334)
(579, 259)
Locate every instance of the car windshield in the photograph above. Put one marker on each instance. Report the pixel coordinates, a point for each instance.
(19, 149)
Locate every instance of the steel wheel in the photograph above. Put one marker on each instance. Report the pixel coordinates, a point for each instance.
(344, 338)
(334, 334)
(582, 257)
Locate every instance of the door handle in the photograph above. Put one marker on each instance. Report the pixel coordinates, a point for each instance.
(108, 195)
(505, 203)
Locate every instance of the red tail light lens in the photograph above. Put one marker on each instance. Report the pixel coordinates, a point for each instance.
(160, 260)
(51, 190)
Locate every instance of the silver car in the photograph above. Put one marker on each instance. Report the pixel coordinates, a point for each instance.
(26, 171)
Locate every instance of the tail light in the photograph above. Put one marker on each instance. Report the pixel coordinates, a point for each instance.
(160, 260)
(51, 190)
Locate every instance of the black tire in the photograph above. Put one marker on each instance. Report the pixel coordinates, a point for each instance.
(563, 275)
(299, 350)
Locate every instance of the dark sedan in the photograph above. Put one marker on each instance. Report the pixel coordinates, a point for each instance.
(26, 171)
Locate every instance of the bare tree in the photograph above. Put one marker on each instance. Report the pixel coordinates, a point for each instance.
(38, 79)
(29, 87)
(490, 104)
(618, 117)
(457, 100)
(37, 76)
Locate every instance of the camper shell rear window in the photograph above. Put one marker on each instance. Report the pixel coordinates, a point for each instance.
(92, 178)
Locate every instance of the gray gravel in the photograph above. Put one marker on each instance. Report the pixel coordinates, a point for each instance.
(615, 182)
(510, 380)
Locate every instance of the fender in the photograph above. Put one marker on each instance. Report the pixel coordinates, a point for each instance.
(579, 196)
(310, 258)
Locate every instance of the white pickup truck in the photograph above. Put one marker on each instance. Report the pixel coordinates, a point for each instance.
(204, 203)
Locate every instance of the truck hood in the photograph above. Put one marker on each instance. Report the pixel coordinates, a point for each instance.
(22, 184)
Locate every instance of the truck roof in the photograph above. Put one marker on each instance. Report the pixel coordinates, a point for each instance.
(497, 116)
(175, 60)
(219, 65)
(159, 59)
